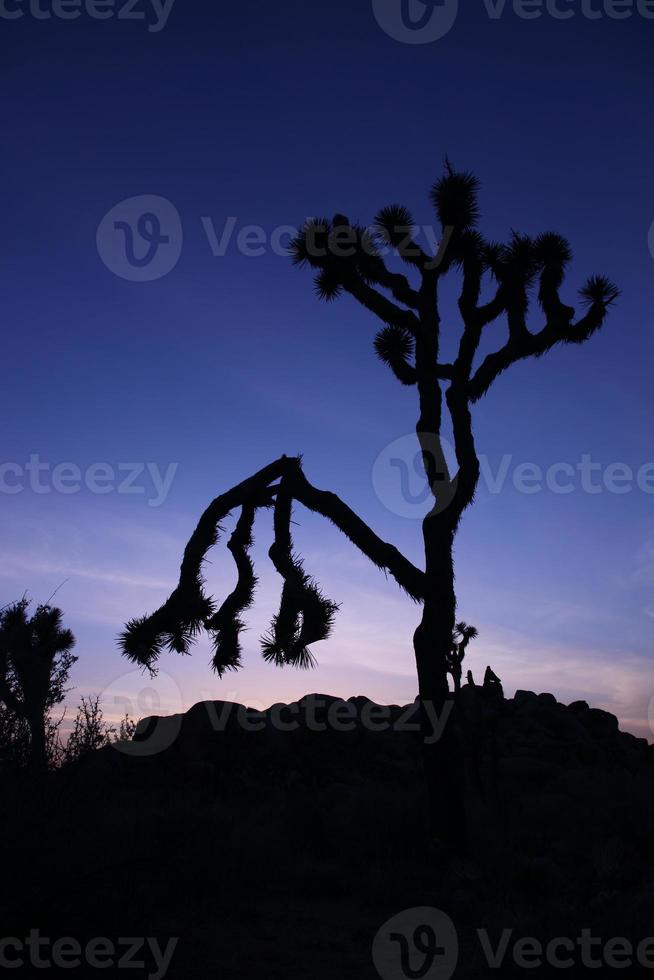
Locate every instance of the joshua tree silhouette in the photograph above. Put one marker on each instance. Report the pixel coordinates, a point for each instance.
(460, 641)
(35, 660)
(347, 258)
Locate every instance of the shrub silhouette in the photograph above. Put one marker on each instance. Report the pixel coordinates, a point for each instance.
(348, 260)
(35, 661)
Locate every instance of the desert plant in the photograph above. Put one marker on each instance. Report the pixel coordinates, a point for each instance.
(90, 732)
(35, 661)
(461, 638)
(348, 259)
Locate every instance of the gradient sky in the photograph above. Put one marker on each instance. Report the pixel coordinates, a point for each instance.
(268, 113)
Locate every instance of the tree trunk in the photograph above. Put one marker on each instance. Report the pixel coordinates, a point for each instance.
(38, 753)
(443, 756)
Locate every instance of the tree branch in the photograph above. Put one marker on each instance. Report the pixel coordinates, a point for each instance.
(226, 624)
(466, 480)
(188, 610)
(397, 284)
(521, 346)
(382, 307)
(379, 552)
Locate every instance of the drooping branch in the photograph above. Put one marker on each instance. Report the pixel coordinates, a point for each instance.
(305, 616)
(188, 610)
(278, 645)
(176, 624)
(385, 556)
(227, 625)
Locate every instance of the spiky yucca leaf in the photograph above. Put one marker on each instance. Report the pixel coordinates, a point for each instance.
(227, 646)
(466, 632)
(600, 291)
(174, 626)
(493, 255)
(553, 254)
(468, 246)
(392, 343)
(393, 224)
(318, 615)
(455, 197)
(278, 643)
(520, 258)
(311, 245)
(180, 639)
(328, 285)
(553, 250)
(395, 347)
(294, 629)
(142, 642)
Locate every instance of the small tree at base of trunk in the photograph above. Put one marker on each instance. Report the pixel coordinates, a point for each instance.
(348, 259)
(463, 634)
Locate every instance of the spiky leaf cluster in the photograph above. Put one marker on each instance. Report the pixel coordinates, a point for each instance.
(456, 199)
(599, 291)
(395, 347)
(305, 617)
(393, 223)
(340, 252)
(174, 627)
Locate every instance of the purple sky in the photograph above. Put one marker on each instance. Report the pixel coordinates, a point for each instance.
(265, 114)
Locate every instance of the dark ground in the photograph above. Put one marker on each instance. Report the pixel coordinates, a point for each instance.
(281, 854)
